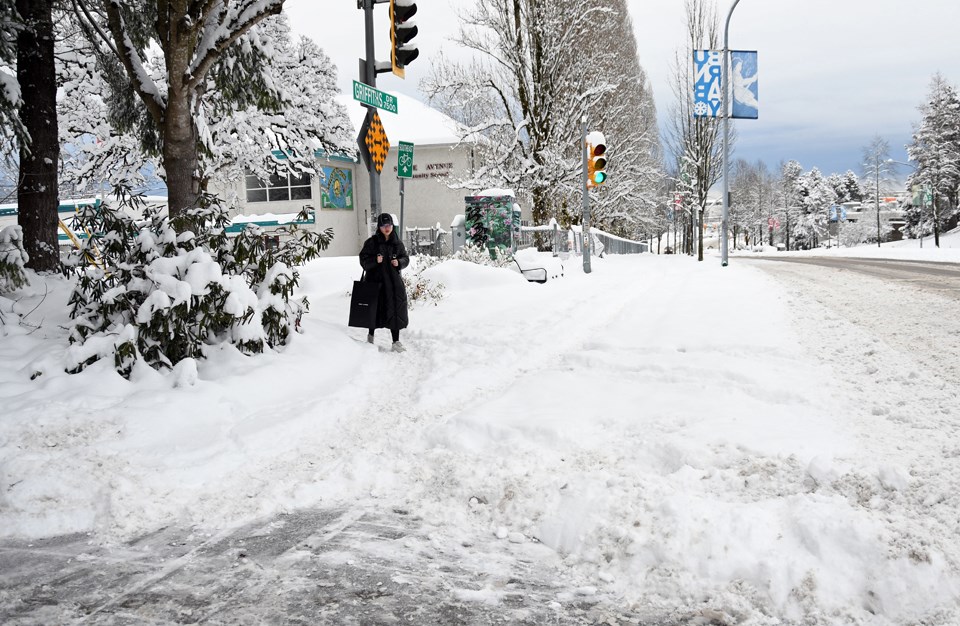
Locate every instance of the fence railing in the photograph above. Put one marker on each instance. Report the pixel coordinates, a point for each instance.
(552, 237)
(430, 241)
(548, 236)
(618, 245)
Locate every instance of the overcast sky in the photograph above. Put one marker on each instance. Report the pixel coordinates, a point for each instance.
(833, 73)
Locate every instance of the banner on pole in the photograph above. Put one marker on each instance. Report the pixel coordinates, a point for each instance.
(707, 94)
(743, 79)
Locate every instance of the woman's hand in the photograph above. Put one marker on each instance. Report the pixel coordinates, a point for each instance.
(395, 263)
(379, 258)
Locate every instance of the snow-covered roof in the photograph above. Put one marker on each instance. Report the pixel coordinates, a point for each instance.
(414, 122)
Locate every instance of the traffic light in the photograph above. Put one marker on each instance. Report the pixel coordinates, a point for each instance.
(401, 53)
(596, 159)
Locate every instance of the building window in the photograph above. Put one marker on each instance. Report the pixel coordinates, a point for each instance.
(279, 188)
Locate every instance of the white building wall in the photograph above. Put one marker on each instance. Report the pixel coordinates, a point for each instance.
(347, 223)
(438, 159)
(428, 199)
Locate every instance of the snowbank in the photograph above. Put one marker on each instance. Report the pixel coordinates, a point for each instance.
(658, 423)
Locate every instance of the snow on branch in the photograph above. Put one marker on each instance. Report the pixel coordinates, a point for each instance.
(222, 26)
(131, 60)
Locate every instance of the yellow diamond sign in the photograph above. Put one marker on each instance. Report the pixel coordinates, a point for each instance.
(377, 143)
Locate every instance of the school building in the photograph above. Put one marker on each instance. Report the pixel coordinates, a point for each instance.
(341, 197)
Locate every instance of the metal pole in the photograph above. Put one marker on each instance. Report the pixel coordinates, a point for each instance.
(376, 204)
(726, 136)
(936, 218)
(585, 221)
(401, 208)
(923, 203)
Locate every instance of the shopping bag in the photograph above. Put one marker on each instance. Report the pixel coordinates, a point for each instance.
(363, 304)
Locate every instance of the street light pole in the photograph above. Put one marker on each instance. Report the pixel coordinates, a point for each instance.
(725, 216)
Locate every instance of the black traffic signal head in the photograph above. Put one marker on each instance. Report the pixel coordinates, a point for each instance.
(401, 33)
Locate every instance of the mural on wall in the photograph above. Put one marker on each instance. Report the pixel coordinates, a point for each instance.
(336, 188)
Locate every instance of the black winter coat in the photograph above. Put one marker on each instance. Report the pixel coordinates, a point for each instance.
(392, 304)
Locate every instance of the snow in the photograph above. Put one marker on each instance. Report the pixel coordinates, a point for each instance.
(905, 250)
(687, 436)
(9, 86)
(279, 218)
(414, 121)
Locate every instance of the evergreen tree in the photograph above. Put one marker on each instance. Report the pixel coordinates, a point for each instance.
(847, 187)
(231, 140)
(11, 128)
(936, 150)
(815, 196)
(789, 213)
(168, 55)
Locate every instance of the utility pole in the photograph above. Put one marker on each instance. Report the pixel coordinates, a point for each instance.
(725, 215)
(368, 75)
(585, 218)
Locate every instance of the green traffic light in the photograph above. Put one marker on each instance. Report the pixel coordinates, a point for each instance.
(599, 177)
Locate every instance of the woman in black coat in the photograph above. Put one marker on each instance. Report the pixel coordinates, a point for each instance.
(382, 257)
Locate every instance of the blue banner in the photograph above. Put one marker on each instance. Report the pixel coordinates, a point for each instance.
(743, 79)
(707, 97)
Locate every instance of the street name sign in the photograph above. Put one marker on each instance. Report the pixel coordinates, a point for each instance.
(374, 97)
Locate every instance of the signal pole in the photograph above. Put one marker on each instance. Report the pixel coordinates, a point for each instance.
(368, 75)
(585, 218)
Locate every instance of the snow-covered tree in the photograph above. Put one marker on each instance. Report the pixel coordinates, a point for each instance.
(11, 129)
(538, 68)
(310, 118)
(788, 211)
(626, 203)
(936, 150)
(162, 292)
(815, 196)
(13, 258)
(165, 54)
(753, 200)
(232, 139)
(694, 141)
(878, 174)
(847, 187)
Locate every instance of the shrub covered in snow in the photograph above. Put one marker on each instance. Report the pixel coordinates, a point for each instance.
(161, 290)
(474, 253)
(420, 289)
(12, 259)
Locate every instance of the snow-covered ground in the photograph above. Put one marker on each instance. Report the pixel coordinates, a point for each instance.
(725, 442)
(907, 249)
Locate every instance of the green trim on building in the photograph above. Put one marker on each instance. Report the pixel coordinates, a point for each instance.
(63, 208)
(319, 154)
